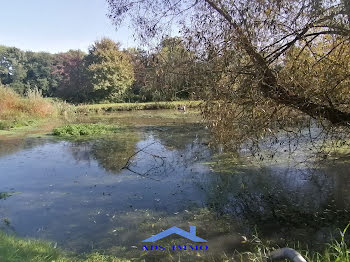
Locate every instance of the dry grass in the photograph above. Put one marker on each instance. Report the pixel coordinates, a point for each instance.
(16, 110)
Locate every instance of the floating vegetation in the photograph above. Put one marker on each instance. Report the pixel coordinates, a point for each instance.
(227, 163)
(4, 195)
(7, 221)
(336, 149)
(78, 130)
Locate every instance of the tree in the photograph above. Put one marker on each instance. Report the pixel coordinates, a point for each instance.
(22, 71)
(12, 68)
(168, 76)
(110, 70)
(141, 63)
(39, 67)
(243, 48)
(162, 73)
(74, 83)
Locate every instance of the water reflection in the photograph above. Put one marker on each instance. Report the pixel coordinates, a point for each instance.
(111, 153)
(10, 146)
(284, 203)
(76, 193)
(66, 191)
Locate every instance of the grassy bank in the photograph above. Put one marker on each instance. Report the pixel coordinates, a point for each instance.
(17, 111)
(14, 249)
(336, 251)
(136, 106)
(31, 110)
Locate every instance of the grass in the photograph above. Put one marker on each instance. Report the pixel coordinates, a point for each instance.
(135, 106)
(336, 251)
(84, 130)
(17, 111)
(31, 110)
(13, 249)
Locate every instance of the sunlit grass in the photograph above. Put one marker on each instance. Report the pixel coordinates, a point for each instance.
(136, 106)
(79, 130)
(31, 110)
(336, 251)
(16, 110)
(13, 249)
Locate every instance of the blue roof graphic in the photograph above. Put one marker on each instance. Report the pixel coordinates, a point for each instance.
(175, 230)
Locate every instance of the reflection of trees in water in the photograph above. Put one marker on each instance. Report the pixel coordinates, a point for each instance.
(10, 146)
(179, 137)
(166, 149)
(110, 152)
(156, 161)
(284, 200)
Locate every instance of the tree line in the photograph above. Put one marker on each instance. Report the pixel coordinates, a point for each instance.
(105, 74)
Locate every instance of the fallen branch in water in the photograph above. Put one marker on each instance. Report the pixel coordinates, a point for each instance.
(128, 162)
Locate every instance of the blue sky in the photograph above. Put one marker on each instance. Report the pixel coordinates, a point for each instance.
(58, 25)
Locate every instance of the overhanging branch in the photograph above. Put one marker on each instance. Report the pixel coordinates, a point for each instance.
(269, 84)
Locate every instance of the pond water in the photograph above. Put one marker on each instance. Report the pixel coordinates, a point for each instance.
(111, 193)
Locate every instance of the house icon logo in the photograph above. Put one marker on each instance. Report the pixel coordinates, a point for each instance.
(175, 230)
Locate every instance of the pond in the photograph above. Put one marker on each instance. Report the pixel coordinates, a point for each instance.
(109, 194)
